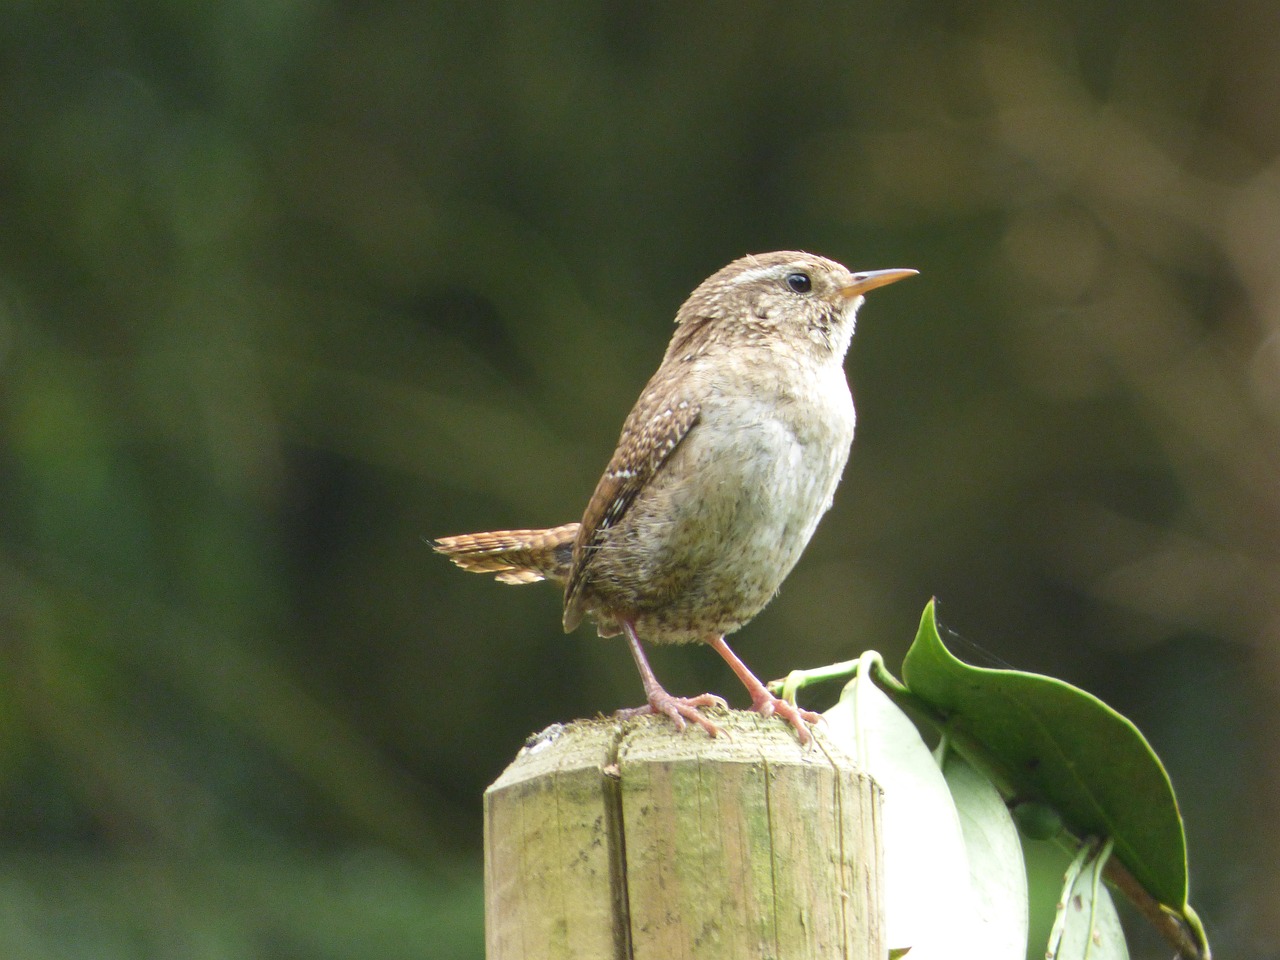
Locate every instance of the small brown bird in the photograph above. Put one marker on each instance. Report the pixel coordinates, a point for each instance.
(725, 465)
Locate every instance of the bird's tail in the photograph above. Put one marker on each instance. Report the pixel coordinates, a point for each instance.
(514, 556)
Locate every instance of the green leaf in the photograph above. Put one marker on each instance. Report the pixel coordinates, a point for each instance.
(1035, 820)
(1044, 740)
(1087, 926)
(996, 869)
(928, 894)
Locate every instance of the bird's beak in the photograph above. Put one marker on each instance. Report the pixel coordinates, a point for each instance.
(862, 282)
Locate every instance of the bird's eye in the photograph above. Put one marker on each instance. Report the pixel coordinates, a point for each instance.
(799, 282)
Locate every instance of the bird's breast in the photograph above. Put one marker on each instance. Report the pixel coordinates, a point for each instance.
(718, 530)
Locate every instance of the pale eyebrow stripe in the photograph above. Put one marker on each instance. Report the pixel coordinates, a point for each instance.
(759, 273)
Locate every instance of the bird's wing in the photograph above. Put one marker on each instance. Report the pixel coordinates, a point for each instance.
(655, 427)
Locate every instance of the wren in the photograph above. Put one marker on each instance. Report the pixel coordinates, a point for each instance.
(725, 465)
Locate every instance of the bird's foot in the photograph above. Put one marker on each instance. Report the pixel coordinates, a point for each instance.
(767, 705)
(679, 709)
(762, 701)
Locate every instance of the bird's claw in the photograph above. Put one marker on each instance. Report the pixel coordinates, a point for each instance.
(768, 705)
(679, 709)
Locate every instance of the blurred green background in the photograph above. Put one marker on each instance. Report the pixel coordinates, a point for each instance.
(287, 286)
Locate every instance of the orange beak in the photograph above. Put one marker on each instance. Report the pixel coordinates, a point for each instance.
(870, 279)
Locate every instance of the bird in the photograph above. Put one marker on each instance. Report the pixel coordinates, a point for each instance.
(725, 465)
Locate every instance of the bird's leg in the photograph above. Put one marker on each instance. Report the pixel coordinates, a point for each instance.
(678, 709)
(762, 701)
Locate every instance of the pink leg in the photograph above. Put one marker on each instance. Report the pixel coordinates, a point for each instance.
(762, 701)
(678, 709)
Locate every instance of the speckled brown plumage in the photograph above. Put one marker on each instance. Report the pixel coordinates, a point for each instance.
(725, 465)
(515, 556)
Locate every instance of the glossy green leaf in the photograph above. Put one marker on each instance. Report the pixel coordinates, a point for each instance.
(1045, 740)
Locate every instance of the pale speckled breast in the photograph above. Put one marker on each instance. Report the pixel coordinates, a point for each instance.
(712, 539)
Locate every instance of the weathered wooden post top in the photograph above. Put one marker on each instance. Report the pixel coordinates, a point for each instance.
(628, 840)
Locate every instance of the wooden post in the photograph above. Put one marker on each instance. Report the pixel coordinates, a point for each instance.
(628, 840)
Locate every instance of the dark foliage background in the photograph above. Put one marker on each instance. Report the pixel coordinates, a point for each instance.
(287, 286)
